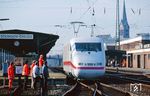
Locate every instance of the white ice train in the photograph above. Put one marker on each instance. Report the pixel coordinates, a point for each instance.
(84, 58)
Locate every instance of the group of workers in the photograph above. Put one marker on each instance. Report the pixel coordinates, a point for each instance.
(38, 71)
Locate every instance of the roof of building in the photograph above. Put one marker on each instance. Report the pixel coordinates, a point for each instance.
(132, 40)
(22, 42)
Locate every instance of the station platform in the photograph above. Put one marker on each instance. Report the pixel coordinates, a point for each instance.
(57, 76)
(129, 70)
(52, 75)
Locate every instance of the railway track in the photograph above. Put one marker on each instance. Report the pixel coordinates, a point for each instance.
(81, 89)
(133, 84)
(109, 85)
(117, 85)
(95, 89)
(114, 85)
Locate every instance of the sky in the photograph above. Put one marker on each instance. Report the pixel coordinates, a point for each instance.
(44, 15)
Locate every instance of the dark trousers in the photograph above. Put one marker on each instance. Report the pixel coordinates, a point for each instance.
(35, 80)
(25, 82)
(45, 82)
(44, 86)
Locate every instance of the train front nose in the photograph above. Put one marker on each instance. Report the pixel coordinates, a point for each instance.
(89, 66)
(90, 74)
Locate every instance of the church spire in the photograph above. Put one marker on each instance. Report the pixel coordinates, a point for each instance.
(124, 26)
(124, 12)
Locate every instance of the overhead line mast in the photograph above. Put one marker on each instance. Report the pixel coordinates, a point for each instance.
(117, 47)
(76, 24)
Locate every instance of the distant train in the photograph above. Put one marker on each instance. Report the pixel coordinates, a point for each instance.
(84, 58)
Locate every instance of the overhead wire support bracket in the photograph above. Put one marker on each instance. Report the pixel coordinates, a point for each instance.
(78, 24)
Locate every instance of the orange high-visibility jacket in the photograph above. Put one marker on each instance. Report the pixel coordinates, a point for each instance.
(10, 72)
(25, 70)
(41, 61)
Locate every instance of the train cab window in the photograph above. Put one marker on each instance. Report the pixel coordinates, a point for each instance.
(88, 46)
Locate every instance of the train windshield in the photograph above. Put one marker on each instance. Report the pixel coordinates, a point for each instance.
(88, 46)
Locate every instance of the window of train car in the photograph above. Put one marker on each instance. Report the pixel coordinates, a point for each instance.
(88, 46)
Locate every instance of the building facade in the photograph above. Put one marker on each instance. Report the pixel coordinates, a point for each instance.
(138, 51)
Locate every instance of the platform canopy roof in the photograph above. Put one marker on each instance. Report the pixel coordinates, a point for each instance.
(22, 42)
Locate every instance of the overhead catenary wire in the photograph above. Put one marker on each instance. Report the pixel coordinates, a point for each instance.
(92, 11)
(88, 9)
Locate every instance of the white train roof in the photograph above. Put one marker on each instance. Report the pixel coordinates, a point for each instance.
(87, 39)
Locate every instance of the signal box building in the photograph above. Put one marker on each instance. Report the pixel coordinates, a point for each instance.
(138, 51)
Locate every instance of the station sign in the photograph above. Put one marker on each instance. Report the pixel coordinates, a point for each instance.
(16, 36)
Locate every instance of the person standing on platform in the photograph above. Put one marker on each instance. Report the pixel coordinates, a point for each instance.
(31, 69)
(41, 62)
(35, 74)
(4, 68)
(45, 74)
(10, 72)
(4, 71)
(25, 73)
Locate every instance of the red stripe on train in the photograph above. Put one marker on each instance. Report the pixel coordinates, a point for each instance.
(69, 63)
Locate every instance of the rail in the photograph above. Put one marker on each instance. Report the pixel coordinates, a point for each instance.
(137, 71)
(111, 91)
(100, 89)
(132, 84)
(73, 91)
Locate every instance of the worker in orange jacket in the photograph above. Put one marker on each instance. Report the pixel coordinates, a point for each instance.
(25, 73)
(41, 62)
(10, 72)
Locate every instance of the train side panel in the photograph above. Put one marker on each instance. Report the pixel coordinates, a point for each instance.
(66, 59)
